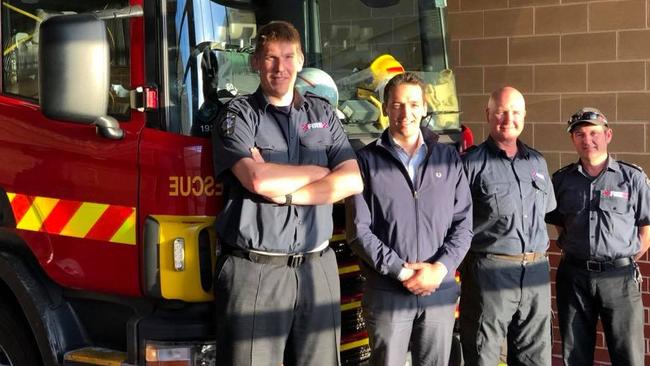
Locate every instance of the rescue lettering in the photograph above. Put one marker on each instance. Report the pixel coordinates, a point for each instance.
(196, 185)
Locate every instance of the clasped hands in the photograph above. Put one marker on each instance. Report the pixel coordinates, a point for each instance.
(425, 277)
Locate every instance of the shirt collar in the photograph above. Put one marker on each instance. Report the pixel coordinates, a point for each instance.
(612, 165)
(427, 137)
(263, 101)
(522, 150)
(394, 144)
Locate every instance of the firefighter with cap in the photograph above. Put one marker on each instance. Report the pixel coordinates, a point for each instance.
(603, 220)
(505, 278)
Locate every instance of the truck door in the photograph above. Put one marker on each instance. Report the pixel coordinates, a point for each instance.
(73, 193)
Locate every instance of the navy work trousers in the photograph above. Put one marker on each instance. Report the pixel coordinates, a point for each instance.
(272, 314)
(505, 299)
(615, 297)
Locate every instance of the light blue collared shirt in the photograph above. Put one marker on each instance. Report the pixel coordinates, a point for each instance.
(411, 163)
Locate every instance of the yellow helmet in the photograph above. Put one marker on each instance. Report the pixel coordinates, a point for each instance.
(383, 68)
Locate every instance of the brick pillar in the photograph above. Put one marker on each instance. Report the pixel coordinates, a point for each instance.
(563, 55)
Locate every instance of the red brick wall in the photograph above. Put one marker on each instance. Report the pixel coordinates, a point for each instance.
(563, 55)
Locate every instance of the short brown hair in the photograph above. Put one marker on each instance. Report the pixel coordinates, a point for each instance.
(278, 31)
(404, 78)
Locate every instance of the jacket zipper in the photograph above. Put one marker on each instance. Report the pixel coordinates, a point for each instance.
(415, 195)
(417, 223)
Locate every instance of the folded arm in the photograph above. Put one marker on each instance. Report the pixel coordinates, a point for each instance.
(343, 181)
(275, 180)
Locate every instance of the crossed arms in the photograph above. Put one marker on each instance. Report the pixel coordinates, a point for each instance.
(308, 184)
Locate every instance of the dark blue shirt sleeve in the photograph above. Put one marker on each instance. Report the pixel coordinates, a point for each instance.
(232, 138)
(554, 217)
(643, 203)
(551, 202)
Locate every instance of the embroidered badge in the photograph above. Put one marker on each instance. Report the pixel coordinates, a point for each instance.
(228, 124)
(310, 126)
(613, 194)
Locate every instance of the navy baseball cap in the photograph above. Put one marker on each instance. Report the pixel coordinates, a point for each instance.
(591, 116)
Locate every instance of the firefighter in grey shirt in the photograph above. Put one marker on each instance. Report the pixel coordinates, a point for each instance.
(283, 160)
(603, 217)
(505, 278)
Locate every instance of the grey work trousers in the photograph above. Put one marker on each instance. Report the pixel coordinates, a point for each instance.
(270, 314)
(505, 299)
(396, 319)
(615, 297)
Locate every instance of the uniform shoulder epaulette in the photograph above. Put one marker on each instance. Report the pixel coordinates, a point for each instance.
(310, 95)
(236, 102)
(533, 150)
(470, 149)
(564, 168)
(631, 165)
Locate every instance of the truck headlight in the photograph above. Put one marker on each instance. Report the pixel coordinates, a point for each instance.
(179, 254)
(180, 354)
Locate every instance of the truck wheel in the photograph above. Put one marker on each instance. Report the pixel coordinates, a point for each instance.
(17, 346)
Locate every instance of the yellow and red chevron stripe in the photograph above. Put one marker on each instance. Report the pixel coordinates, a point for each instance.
(88, 220)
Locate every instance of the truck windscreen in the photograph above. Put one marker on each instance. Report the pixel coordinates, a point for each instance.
(352, 48)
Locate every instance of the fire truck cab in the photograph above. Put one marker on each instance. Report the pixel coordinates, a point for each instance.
(107, 197)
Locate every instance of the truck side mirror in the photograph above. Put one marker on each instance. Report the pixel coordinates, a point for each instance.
(74, 71)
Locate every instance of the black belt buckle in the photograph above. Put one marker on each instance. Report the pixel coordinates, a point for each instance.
(295, 260)
(594, 266)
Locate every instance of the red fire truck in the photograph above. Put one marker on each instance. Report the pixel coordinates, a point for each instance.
(107, 197)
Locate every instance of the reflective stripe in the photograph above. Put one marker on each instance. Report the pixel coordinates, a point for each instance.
(83, 219)
(39, 209)
(88, 220)
(351, 305)
(355, 344)
(126, 233)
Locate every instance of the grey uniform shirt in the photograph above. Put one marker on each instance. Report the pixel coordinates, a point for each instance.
(510, 197)
(600, 216)
(309, 133)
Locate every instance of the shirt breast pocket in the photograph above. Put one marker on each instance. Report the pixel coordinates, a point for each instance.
(498, 197)
(270, 153)
(540, 190)
(615, 206)
(314, 145)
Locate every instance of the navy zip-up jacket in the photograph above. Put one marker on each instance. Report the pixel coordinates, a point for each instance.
(393, 222)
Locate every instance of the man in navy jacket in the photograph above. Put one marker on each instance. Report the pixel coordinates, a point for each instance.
(411, 226)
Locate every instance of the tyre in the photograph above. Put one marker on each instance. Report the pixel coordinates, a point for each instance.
(17, 346)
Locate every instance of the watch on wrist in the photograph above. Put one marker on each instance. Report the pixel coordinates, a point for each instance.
(287, 199)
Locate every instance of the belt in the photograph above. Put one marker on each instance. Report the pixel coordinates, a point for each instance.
(598, 266)
(519, 258)
(289, 260)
